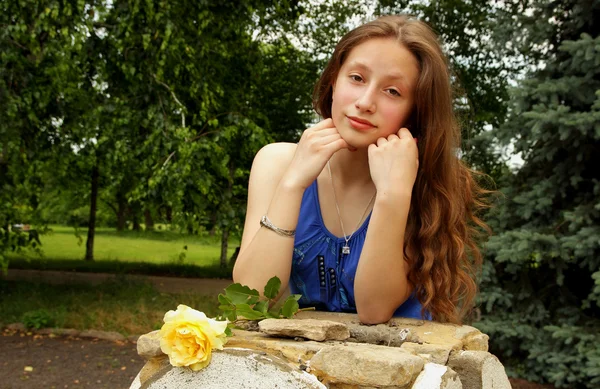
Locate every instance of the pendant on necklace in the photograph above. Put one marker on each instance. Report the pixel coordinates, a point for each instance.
(346, 249)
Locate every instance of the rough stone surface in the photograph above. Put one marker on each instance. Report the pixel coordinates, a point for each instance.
(381, 334)
(436, 376)
(479, 370)
(110, 335)
(318, 330)
(66, 332)
(430, 352)
(402, 354)
(297, 353)
(418, 331)
(148, 346)
(248, 325)
(366, 365)
(234, 369)
(16, 327)
(153, 367)
(476, 342)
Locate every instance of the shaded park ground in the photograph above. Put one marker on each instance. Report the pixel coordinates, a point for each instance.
(43, 361)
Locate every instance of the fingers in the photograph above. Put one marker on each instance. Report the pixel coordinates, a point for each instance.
(330, 138)
(404, 133)
(324, 124)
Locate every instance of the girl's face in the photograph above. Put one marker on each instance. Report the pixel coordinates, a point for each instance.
(373, 95)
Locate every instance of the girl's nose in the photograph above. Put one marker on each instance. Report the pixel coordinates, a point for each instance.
(366, 101)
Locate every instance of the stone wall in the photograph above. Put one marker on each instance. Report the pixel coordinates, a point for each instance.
(333, 350)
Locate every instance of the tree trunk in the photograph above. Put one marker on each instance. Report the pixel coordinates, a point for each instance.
(89, 245)
(148, 220)
(169, 212)
(234, 256)
(121, 213)
(135, 217)
(213, 223)
(224, 241)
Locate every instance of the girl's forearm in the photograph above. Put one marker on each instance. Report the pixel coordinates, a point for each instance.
(270, 254)
(381, 283)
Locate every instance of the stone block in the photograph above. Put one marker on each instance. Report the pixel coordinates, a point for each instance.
(234, 369)
(297, 353)
(400, 330)
(479, 370)
(148, 345)
(476, 342)
(436, 376)
(366, 365)
(430, 352)
(381, 334)
(319, 330)
(16, 327)
(104, 335)
(152, 367)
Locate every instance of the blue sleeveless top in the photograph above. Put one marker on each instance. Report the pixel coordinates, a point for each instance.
(320, 272)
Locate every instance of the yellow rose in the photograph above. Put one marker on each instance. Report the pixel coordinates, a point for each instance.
(188, 337)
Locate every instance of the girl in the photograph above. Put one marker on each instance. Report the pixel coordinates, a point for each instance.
(371, 212)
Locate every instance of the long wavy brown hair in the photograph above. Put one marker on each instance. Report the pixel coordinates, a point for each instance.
(443, 226)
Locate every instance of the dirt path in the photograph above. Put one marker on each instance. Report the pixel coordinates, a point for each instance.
(44, 361)
(206, 286)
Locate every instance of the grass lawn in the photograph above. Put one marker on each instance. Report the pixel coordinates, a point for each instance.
(158, 247)
(124, 306)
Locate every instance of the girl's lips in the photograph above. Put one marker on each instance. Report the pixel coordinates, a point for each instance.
(359, 125)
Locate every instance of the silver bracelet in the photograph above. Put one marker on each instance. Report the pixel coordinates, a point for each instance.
(265, 222)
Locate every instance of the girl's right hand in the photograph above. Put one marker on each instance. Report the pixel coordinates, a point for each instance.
(315, 148)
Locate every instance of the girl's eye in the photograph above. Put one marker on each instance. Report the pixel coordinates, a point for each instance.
(393, 92)
(356, 77)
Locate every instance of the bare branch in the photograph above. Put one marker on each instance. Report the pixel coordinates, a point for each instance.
(168, 159)
(175, 98)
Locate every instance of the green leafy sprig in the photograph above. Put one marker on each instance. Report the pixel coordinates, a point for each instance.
(240, 300)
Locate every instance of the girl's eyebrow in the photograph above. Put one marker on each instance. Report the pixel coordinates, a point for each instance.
(392, 75)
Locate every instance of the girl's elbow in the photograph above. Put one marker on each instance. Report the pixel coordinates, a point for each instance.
(373, 315)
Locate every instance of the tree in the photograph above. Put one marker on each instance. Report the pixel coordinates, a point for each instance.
(541, 284)
(38, 41)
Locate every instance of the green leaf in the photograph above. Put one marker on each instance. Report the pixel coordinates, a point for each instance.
(229, 315)
(295, 296)
(228, 331)
(262, 306)
(246, 311)
(241, 294)
(290, 307)
(224, 299)
(272, 287)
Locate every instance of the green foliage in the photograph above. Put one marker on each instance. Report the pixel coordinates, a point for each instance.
(123, 305)
(539, 291)
(167, 102)
(40, 318)
(240, 300)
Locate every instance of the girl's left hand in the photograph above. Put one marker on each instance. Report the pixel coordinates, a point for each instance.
(393, 162)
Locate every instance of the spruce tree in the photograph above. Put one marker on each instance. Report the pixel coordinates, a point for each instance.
(540, 291)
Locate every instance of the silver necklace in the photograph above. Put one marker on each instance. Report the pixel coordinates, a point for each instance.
(346, 248)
